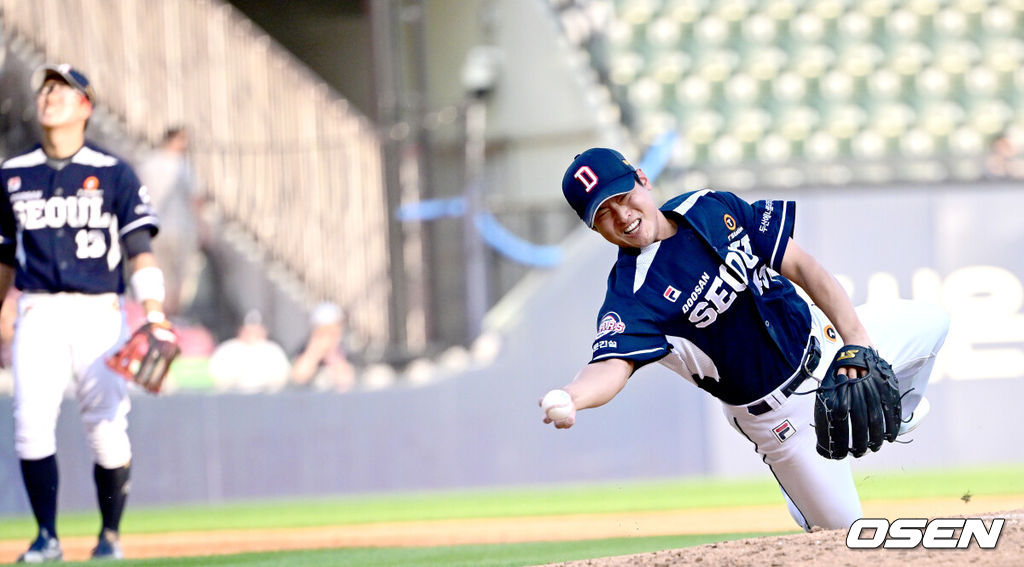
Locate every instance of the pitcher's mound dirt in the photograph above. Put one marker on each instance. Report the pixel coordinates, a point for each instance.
(826, 548)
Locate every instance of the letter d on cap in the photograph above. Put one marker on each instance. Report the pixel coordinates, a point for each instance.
(587, 177)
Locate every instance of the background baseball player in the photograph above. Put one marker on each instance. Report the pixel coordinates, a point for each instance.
(72, 214)
(704, 285)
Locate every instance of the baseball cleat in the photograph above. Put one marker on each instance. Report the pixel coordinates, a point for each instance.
(45, 549)
(108, 546)
(922, 409)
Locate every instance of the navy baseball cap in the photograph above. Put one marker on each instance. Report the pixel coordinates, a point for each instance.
(65, 73)
(595, 176)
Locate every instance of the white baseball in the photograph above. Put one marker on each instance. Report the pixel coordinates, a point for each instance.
(557, 404)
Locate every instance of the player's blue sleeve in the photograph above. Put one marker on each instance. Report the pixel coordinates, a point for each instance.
(136, 242)
(628, 332)
(133, 207)
(770, 225)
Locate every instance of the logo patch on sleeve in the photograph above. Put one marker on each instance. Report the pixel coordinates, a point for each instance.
(784, 431)
(611, 324)
(672, 294)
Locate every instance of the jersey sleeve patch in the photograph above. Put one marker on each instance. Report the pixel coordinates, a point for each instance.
(629, 337)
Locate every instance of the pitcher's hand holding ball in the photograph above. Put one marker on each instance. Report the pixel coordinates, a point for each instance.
(558, 409)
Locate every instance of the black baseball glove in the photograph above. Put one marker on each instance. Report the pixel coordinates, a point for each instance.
(854, 415)
(147, 356)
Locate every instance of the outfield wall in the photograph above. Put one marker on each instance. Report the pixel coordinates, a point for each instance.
(958, 246)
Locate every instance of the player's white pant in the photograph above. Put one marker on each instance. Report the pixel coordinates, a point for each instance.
(57, 338)
(820, 491)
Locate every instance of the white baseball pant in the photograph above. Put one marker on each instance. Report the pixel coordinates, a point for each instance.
(819, 491)
(60, 338)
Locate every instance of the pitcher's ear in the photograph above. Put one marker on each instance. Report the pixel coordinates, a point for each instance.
(642, 178)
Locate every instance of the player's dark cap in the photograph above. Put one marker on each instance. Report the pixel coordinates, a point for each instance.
(66, 73)
(595, 176)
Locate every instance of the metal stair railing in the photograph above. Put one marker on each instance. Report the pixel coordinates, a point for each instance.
(276, 149)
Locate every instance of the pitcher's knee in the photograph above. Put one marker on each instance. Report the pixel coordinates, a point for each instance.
(932, 321)
(941, 327)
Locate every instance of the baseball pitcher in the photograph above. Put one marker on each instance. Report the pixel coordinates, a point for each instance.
(706, 285)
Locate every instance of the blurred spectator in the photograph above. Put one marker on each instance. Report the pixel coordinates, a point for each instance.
(323, 365)
(167, 173)
(249, 363)
(1004, 160)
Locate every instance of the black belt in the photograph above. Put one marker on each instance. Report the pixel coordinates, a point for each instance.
(807, 367)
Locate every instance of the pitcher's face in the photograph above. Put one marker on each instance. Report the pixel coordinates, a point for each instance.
(632, 219)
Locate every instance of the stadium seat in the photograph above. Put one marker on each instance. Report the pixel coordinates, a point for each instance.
(778, 83)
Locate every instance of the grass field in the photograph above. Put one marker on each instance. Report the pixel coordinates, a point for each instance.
(511, 555)
(521, 502)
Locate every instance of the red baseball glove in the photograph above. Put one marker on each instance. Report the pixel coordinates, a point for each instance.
(147, 356)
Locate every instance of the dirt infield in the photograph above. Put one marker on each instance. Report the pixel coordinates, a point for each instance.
(825, 548)
(783, 550)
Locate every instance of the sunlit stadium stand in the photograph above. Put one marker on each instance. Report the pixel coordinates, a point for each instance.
(287, 161)
(786, 92)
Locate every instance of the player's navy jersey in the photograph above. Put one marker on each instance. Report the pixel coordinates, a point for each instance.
(66, 221)
(708, 302)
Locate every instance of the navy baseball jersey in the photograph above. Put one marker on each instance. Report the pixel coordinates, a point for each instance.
(708, 302)
(66, 219)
